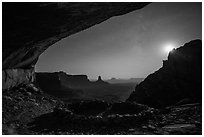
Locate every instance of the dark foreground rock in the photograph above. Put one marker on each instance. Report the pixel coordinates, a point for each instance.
(184, 119)
(27, 110)
(123, 108)
(179, 78)
(89, 108)
(21, 104)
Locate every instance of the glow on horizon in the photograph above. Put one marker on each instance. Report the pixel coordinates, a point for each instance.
(168, 48)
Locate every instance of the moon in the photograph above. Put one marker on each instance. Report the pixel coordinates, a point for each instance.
(168, 48)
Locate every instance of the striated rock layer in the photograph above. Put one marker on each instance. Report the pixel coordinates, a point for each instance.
(180, 77)
(16, 77)
(28, 29)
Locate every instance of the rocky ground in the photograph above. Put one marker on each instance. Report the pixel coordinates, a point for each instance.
(27, 110)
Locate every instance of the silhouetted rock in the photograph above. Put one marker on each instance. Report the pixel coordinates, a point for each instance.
(73, 81)
(99, 78)
(62, 85)
(179, 78)
(48, 81)
(131, 80)
(100, 82)
(60, 79)
(68, 87)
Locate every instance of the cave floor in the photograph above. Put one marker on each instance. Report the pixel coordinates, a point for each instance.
(29, 112)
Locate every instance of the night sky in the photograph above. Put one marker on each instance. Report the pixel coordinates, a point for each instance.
(127, 46)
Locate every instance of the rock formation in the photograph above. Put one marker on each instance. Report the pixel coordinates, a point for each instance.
(179, 78)
(60, 79)
(131, 80)
(30, 28)
(16, 77)
(100, 82)
(99, 78)
(66, 87)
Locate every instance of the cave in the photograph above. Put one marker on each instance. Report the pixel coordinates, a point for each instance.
(42, 25)
(75, 62)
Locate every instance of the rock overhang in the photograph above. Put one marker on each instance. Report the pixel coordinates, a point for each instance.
(30, 28)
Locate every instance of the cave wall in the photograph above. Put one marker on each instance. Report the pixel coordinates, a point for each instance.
(28, 29)
(16, 77)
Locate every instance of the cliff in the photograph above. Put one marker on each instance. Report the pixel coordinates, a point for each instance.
(58, 80)
(180, 77)
(131, 80)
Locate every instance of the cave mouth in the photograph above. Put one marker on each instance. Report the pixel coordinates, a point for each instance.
(88, 55)
(85, 67)
(123, 47)
(98, 51)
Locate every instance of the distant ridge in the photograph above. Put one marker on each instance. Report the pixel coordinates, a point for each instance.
(47, 80)
(120, 81)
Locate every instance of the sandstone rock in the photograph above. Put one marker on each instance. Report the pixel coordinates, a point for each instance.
(14, 77)
(179, 78)
(32, 88)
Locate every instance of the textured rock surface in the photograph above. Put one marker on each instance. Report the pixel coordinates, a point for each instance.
(179, 78)
(25, 111)
(30, 28)
(15, 77)
(20, 105)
